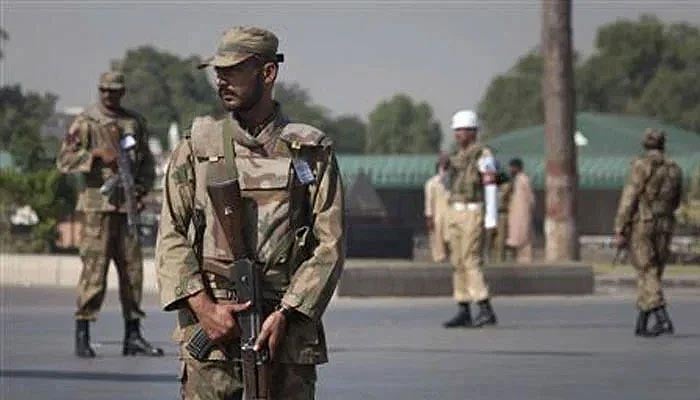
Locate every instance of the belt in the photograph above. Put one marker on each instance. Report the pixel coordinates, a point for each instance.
(462, 206)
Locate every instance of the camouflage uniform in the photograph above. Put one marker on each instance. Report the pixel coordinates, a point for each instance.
(645, 217)
(105, 235)
(303, 268)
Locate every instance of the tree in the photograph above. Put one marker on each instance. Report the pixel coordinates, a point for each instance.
(561, 182)
(399, 125)
(627, 56)
(348, 132)
(642, 67)
(166, 88)
(21, 117)
(514, 100)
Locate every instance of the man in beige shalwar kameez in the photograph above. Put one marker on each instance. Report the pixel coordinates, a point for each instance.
(520, 213)
(436, 205)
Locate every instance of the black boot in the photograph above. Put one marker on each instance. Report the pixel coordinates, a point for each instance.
(663, 325)
(486, 315)
(463, 317)
(82, 339)
(641, 328)
(135, 344)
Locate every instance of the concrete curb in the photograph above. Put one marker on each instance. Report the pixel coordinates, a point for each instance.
(428, 279)
(630, 282)
(362, 277)
(48, 270)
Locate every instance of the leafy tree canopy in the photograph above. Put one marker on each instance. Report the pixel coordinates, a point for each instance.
(643, 67)
(165, 88)
(400, 125)
(21, 117)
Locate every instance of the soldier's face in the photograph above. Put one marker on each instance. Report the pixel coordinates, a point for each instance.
(464, 136)
(241, 86)
(111, 98)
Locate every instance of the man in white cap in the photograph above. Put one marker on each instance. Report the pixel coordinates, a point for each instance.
(473, 207)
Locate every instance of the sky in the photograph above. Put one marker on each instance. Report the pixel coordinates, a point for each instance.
(350, 55)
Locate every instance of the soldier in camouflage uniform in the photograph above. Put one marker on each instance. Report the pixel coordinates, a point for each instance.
(296, 225)
(473, 207)
(91, 149)
(644, 224)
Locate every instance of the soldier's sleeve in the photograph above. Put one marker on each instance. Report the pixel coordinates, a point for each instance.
(313, 283)
(145, 174)
(75, 155)
(630, 196)
(179, 274)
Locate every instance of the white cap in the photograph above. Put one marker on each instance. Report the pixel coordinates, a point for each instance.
(465, 119)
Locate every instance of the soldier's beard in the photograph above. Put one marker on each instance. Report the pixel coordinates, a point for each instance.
(248, 103)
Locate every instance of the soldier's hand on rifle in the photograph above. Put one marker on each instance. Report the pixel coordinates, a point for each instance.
(272, 333)
(217, 320)
(108, 156)
(620, 240)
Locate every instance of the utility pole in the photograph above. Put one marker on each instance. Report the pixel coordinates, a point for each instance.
(561, 176)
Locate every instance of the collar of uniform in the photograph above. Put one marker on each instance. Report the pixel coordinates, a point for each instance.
(267, 131)
(109, 113)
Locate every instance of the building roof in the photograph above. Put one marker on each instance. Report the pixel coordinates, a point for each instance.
(606, 145)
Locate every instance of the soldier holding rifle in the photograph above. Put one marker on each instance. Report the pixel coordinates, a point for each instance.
(108, 145)
(644, 225)
(250, 245)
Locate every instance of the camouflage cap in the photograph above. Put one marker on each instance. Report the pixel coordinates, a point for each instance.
(112, 81)
(654, 139)
(242, 42)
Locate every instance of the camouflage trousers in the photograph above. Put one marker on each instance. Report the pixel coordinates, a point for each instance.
(466, 232)
(105, 238)
(223, 380)
(648, 251)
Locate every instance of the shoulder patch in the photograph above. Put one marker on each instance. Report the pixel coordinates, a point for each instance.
(304, 135)
(206, 134)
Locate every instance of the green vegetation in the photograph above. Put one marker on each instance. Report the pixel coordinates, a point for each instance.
(642, 67)
(165, 88)
(400, 125)
(50, 194)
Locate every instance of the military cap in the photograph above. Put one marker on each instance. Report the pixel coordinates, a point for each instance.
(242, 42)
(112, 81)
(654, 139)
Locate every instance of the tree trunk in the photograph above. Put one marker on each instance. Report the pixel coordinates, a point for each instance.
(561, 182)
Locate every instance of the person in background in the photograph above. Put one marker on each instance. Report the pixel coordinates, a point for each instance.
(644, 225)
(520, 213)
(472, 207)
(88, 149)
(497, 249)
(436, 196)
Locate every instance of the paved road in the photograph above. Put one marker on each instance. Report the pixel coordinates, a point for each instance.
(545, 348)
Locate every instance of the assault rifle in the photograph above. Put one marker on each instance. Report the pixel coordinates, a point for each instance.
(226, 201)
(124, 178)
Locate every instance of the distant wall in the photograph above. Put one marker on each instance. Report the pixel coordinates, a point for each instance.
(596, 209)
